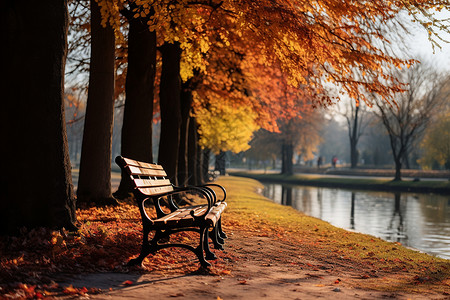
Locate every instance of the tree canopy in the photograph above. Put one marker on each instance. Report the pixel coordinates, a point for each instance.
(312, 43)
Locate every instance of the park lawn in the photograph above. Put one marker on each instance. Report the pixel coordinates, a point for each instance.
(33, 263)
(390, 266)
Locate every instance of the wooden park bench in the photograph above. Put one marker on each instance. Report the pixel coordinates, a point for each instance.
(151, 183)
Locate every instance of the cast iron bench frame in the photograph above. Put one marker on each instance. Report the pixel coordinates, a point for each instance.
(151, 183)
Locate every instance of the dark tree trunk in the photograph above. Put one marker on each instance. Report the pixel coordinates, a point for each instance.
(94, 184)
(287, 167)
(186, 102)
(136, 140)
(205, 165)
(199, 166)
(35, 183)
(220, 162)
(406, 160)
(169, 95)
(192, 152)
(354, 141)
(398, 169)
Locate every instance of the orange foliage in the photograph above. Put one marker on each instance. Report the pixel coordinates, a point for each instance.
(107, 238)
(252, 52)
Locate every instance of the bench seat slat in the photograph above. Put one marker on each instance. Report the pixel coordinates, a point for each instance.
(141, 164)
(142, 183)
(214, 214)
(182, 215)
(155, 191)
(147, 172)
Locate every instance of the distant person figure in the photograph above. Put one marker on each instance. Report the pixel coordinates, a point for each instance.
(334, 161)
(319, 162)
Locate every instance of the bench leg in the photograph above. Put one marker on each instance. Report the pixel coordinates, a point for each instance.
(153, 246)
(217, 241)
(221, 233)
(202, 247)
(146, 249)
(218, 235)
(208, 254)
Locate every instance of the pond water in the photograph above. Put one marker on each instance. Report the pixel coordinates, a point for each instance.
(421, 221)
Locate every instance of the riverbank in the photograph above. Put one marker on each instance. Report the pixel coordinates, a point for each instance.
(273, 251)
(358, 180)
(276, 252)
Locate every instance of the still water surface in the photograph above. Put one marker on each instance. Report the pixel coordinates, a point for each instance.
(415, 220)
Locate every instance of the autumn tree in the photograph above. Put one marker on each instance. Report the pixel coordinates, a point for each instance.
(436, 144)
(94, 184)
(136, 138)
(169, 95)
(34, 139)
(224, 128)
(263, 147)
(357, 118)
(406, 119)
(299, 136)
(314, 43)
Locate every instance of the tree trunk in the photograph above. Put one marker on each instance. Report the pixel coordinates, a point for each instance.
(94, 184)
(136, 140)
(205, 165)
(199, 166)
(192, 152)
(220, 162)
(354, 140)
(353, 154)
(186, 102)
(169, 95)
(398, 168)
(287, 167)
(35, 183)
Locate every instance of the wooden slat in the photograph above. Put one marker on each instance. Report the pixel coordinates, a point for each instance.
(142, 183)
(154, 191)
(215, 212)
(147, 172)
(141, 164)
(173, 215)
(181, 215)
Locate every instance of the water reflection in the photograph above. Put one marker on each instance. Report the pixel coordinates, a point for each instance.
(415, 220)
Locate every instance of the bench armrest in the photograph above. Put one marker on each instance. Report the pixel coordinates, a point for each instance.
(178, 190)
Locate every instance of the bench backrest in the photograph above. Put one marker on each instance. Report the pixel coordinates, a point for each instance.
(149, 179)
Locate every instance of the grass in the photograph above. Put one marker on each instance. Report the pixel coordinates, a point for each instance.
(385, 265)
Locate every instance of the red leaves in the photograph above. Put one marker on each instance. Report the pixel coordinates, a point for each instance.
(70, 290)
(127, 282)
(225, 272)
(26, 291)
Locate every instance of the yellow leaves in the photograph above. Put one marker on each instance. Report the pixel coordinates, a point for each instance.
(223, 127)
(204, 45)
(57, 240)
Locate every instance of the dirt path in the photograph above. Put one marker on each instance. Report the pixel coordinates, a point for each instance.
(261, 268)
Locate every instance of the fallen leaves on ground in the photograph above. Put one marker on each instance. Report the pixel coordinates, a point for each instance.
(107, 238)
